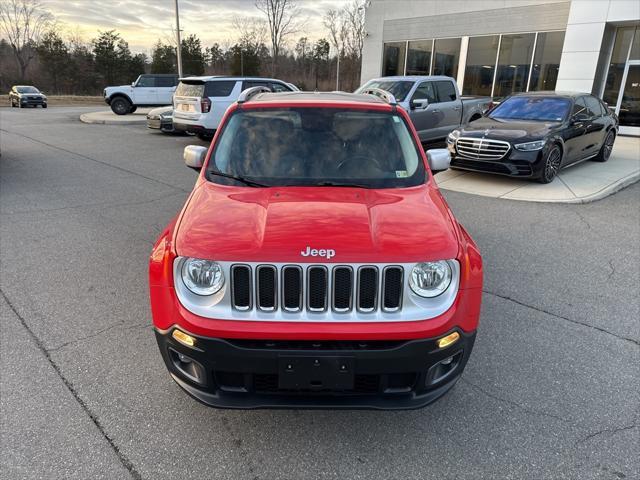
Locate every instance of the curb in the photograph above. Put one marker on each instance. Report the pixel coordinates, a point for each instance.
(599, 195)
(90, 118)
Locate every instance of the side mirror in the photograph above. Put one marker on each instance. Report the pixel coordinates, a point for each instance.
(194, 156)
(439, 159)
(133, 84)
(419, 104)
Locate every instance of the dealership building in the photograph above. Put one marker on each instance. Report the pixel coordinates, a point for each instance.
(497, 47)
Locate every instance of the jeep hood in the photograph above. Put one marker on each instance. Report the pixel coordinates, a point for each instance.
(276, 224)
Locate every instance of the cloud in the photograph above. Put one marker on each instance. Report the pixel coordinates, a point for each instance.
(143, 22)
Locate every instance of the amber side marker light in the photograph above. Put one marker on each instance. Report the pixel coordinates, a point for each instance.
(184, 338)
(448, 340)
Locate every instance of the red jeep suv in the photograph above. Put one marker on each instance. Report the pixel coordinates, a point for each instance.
(315, 264)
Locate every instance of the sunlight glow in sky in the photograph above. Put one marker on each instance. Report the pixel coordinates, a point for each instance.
(143, 22)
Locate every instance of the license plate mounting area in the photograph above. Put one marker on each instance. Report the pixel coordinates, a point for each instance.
(315, 372)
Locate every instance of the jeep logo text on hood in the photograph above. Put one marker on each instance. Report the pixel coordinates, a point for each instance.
(313, 252)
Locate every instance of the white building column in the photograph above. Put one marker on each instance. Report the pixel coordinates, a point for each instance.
(582, 43)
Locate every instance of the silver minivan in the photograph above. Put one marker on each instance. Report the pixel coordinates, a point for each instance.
(200, 102)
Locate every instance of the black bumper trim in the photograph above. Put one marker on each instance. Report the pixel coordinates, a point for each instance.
(409, 357)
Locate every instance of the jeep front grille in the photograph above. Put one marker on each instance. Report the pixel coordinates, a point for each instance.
(481, 148)
(317, 288)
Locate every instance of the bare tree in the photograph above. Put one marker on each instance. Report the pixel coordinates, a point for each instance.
(353, 14)
(336, 23)
(283, 19)
(251, 30)
(22, 23)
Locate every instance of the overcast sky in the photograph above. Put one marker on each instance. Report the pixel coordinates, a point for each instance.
(143, 22)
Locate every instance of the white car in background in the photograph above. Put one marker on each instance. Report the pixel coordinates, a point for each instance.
(149, 90)
(200, 102)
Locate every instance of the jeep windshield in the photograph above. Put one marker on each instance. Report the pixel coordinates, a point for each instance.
(316, 147)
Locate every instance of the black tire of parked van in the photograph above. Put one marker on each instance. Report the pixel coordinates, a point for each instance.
(133, 109)
(606, 148)
(120, 106)
(551, 165)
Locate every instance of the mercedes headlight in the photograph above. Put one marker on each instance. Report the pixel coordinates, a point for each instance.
(430, 279)
(531, 146)
(453, 136)
(202, 277)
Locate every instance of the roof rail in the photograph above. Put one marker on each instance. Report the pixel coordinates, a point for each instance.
(246, 95)
(383, 94)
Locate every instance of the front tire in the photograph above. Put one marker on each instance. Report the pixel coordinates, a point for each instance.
(44, 105)
(133, 109)
(120, 106)
(606, 148)
(551, 165)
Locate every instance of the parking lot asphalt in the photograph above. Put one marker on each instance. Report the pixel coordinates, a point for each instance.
(552, 389)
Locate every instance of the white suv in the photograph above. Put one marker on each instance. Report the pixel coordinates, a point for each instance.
(149, 90)
(200, 102)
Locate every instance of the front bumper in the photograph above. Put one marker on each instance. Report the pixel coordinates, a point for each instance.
(236, 373)
(515, 163)
(33, 101)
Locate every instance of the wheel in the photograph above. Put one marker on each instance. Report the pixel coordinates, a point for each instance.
(44, 105)
(474, 118)
(551, 165)
(133, 109)
(606, 148)
(120, 106)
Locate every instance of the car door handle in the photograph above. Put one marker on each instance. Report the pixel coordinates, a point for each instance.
(435, 111)
(456, 108)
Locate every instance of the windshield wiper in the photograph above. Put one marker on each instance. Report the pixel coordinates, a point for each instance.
(340, 184)
(246, 181)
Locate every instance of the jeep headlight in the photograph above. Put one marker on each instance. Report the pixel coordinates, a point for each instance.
(202, 277)
(531, 146)
(430, 279)
(453, 136)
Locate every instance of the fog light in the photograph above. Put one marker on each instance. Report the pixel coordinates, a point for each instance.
(448, 340)
(188, 367)
(184, 338)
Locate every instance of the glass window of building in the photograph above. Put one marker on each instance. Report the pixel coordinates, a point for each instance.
(481, 63)
(546, 61)
(394, 55)
(630, 105)
(514, 62)
(419, 57)
(635, 48)
(446, 57)
(624, 36)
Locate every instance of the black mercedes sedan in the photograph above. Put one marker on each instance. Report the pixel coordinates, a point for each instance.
(534, 135)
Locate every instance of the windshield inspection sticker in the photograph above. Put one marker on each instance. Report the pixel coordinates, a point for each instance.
(401, 174)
